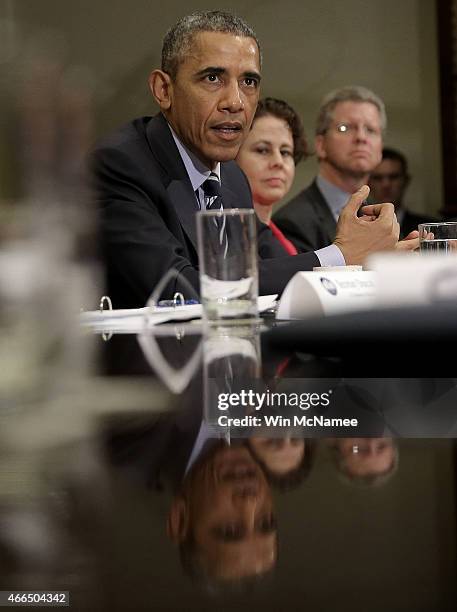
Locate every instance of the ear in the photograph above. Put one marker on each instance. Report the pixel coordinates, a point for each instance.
(161, 87)
(178, 520)
(319, 146)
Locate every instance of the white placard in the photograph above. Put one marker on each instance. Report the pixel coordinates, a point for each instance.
(326, 292)
(414, 279)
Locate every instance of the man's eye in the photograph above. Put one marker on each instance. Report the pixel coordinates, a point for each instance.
(343, 128)
(231, 533)
(212, 78)
(251, 82)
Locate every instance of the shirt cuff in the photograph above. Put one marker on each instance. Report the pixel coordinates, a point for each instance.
(330, 256)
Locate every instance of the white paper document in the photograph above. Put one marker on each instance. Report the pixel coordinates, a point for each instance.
(133, 320)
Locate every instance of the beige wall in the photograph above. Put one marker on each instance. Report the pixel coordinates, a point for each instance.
(309, 48)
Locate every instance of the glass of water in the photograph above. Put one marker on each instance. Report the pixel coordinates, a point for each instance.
(438, 238)
(227, 249)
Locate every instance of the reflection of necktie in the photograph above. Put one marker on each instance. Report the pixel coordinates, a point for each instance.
(213, 201)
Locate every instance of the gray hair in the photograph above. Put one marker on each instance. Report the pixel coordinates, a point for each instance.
(350, 93)
(179, 38)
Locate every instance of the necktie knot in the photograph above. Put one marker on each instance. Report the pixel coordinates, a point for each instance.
(212, 187)
(213, 201)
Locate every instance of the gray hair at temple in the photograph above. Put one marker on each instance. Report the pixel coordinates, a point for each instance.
(351, 93)
(178, 40)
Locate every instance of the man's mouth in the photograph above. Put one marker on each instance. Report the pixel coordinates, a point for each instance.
(228, 130)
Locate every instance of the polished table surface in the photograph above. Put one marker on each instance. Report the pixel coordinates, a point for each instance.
(111, 489)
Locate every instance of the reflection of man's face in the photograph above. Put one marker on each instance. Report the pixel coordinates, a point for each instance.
(366, 456)
(214, 95)
(226, 508)
(279, 455)
(388, 182)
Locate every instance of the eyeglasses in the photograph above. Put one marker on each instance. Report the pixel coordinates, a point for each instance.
(350, 129)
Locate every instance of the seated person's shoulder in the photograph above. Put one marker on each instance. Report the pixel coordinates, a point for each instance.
(126, 153)
(130, 136)
(230, 171)
(296, 206)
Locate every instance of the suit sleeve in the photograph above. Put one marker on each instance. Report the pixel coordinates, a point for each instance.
(138, 233)
(275, 268)
(142, 237)
(304, 241)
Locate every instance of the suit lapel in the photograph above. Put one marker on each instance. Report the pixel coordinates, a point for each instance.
(325, 215)
(231, 199)
(176, 180)
(182, 196)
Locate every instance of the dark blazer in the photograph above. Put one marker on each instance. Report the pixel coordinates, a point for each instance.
(147, 218)
(307, 220)
(411, 221)
(154, 451)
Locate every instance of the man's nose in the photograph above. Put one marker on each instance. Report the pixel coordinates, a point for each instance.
(371, 447)
(232, 100)
(246, 500)
(361, 133)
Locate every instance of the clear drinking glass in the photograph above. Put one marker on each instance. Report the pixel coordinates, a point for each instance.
(227, 247)
(438, 237)
(231, 363)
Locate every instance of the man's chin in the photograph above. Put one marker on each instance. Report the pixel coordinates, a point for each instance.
(360, 172)
(222, 151)
(228, 152)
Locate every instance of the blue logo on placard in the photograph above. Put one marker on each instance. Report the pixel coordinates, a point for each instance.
(329, 285)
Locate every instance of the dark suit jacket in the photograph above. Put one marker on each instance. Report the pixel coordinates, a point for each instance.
(148, 211)
(411, 221)
(154, 450)
(307, 220)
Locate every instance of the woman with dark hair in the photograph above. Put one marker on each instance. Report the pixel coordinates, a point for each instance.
(286, 461)
(268, 156)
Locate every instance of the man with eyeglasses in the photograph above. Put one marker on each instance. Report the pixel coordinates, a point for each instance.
(348, 144)
(388, 183)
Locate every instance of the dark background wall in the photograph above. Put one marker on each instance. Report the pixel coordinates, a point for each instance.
(309, 48)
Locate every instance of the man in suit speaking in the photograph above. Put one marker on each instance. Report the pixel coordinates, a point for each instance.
(152, 175)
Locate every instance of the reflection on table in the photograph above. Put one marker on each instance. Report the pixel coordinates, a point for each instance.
(125, 491)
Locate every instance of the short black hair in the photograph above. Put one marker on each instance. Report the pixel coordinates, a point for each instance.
(294, 478)
(194, 568)
(179, 38)
(389, 153)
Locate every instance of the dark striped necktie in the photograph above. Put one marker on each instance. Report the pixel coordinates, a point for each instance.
(213, 201)
(212, 190)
